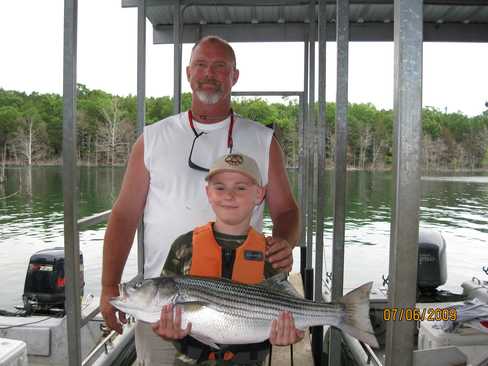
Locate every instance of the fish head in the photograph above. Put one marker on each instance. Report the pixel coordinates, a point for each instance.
(149, 292)
(144, 299)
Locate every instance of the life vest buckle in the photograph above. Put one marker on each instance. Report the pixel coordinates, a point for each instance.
(221, 355)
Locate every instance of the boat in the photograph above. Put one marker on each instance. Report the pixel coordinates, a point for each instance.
(408, 23)
(37, 332)
(436, 344)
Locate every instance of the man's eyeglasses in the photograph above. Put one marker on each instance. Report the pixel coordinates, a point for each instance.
(230, 142)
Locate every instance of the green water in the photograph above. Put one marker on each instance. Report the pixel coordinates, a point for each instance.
(31, 218)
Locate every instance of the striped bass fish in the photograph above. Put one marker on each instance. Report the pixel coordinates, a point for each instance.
(225, 312)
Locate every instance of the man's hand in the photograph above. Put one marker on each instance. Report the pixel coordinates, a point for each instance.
(279, 254)
(109, 312)
(169, 325)
(283, 331)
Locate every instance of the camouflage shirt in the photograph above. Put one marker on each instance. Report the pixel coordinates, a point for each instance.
(179, 257)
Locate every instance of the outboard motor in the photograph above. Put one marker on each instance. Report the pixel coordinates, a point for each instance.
(432, 269)
(44, 282)
(432, 266)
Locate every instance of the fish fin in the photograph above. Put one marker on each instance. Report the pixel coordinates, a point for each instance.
(280, 283)
(356, 321)
(208, 341)
(194, 306)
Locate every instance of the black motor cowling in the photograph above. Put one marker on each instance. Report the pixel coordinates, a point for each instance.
(432, 267)
(45, 280)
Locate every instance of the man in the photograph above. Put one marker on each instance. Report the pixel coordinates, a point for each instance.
(165, 181)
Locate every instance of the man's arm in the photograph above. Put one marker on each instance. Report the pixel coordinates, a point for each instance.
(122, 224)
(284, 211)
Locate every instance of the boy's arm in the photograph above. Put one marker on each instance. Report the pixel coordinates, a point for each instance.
(179, 256)
(169, 325)
(171, 265)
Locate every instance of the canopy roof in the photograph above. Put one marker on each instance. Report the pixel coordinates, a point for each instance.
(288, 20)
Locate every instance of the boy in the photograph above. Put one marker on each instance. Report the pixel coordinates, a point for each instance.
(227, 248)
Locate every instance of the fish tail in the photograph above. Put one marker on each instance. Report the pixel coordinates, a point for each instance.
(356, 321)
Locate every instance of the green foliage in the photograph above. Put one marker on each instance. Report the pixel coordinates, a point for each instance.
(256, 110)
(106, 126)
(431, 122)
(8, 120)
(484, 162)
(158, 109)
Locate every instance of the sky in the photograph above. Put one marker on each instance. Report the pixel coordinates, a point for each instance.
(455, 76)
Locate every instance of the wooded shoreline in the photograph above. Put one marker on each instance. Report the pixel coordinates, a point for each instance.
(13, 164)
(31, 131)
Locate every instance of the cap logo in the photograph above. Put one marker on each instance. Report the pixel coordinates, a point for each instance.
(234, 159)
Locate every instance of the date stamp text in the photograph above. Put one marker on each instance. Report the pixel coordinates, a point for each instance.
(415, 314)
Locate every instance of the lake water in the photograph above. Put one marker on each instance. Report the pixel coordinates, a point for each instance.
(31, 219)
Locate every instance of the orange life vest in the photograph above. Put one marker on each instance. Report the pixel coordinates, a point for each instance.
(207, 256)
(248, 268)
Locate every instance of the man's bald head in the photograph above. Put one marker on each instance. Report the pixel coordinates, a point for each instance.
(217, 41)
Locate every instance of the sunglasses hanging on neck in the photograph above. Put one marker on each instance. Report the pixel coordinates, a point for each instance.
(230, 142)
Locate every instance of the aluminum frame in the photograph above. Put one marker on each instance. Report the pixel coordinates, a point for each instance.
(409, 32)
(340, 177)
(70, 185)
(141, 112)
(405, 207)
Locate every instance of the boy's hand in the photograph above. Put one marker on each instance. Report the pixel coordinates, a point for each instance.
(169, 327)
(279, 254)
(283, 331)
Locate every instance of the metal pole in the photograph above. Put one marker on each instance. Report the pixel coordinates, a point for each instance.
(305, 251)
(408, 32)
(342, 31)
(309, 140)
(320, 128)
(70, 185)
(141, 109)
(301, 191)
(317, 332)
(303, 164)
(310, 132)
(177, 57)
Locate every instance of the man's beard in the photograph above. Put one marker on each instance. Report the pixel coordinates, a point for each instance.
(208, 97)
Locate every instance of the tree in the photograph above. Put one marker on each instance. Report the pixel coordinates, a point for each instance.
(31, 129)
(256, 110)
(50, 110)
(158, 109)
(105, 131)
(30, 137)
(8, 118)
(362, 118)
(116, 132)
(381, 144)
(90, 104)
(431, 122)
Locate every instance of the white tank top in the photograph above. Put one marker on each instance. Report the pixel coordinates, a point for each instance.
(176, 201)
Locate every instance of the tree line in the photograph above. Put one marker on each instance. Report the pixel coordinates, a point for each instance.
(31, 130)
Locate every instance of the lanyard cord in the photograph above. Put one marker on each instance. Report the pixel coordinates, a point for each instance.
(230, 141)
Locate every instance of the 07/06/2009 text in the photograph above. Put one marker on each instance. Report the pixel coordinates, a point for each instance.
(415, 314)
